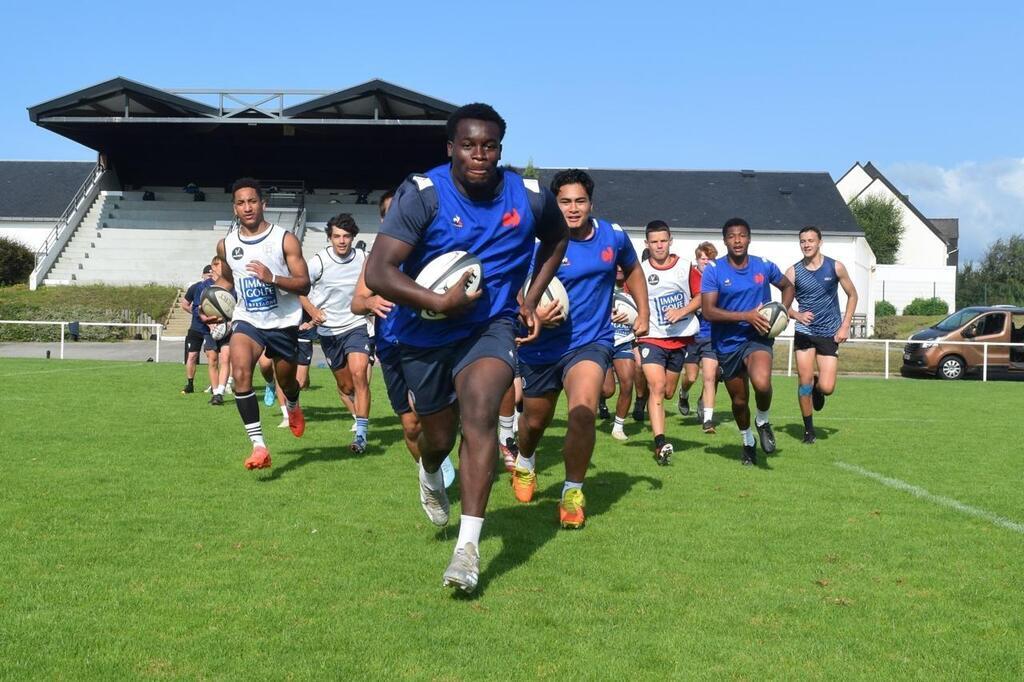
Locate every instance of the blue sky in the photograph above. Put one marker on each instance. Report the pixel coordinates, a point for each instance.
(929, 91)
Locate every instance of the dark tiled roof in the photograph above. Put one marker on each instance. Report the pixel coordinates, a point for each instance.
(769, 201)
(39, 189)
(949, 227)
(876, 174)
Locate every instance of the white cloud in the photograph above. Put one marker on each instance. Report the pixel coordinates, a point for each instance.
(987, 197)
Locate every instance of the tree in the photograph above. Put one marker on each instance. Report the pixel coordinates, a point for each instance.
(998, 278)
(530, 171)
(882, 222)
(16, 262)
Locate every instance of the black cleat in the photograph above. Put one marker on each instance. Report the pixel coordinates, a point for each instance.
(817, 397)
(663, 453)
(217, 399)
(749, 456)
(809, 438)
(684, 404)
(767, 436)
(709, 426)
(188, 389)
(639, 408)
(602, 410)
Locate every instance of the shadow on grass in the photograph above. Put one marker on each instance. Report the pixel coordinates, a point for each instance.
(796, 431)
(734, 451)
(525, 528)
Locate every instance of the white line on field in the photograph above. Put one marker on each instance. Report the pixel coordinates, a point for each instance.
(923, 494)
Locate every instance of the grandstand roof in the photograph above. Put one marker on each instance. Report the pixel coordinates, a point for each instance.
(704, 200)
(39, 189)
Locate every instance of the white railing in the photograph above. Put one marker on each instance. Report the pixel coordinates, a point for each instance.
(887, 345)
(65, 324)
(47, 253)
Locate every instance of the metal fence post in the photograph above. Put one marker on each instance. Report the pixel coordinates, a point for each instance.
(62, 324)
(887, 358)
(158, 343)
(789, 360)
(984, 361)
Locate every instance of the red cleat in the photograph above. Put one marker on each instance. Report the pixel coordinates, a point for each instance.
(297, 421)
(259, 459)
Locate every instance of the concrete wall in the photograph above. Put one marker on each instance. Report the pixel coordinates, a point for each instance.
(31, 233)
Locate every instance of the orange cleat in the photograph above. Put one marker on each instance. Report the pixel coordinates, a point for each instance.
(524, 483)
(570, 509)
(259, 459)
(297, 421)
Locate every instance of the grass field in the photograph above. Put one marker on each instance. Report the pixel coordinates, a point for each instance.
(135, 545)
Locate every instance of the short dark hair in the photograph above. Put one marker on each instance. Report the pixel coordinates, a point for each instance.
(243, 183)
(572, 176)
(656, 226)
(733, 222)
(477, 111)
(342, 221)
(390, 194)
(812, 228)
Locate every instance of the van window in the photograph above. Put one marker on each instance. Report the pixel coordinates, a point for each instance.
(993, 323)
(957, 319)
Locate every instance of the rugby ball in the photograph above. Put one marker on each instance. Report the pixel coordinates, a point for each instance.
(218, 302)
(444, 272)
(777, 317)
(624, 303)
(555, 291)
(219, 331)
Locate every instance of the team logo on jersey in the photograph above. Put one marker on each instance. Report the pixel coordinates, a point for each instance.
(828, 279)
(759, 278)
(236, 253)
(510, 219)
(607, 254)
(727, 283)
(457, 221)
(565, 261)
(653, 279)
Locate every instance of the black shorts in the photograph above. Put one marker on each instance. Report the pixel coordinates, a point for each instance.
(280, 343)
(671, 360)
(306, 338)
(699, 350)
(540, 380)
(430, 372)
(732, 363)
(193, 341)
(337, 348)
(822, 345)
(394, 380)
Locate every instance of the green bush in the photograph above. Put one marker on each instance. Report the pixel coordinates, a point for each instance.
(16, 262)
(884, 309)
(926, 306)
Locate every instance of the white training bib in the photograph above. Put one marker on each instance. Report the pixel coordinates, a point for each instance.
(666, 290)
(263, 305)
(333, 284)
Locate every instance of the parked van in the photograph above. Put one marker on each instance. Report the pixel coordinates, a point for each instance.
(925, 352)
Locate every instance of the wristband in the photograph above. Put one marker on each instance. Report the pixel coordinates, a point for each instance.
(273, 278)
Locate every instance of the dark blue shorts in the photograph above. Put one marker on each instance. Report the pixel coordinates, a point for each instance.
(394, 380)
(430, 372)
(540, 380)
(337, 348)
(732, 363)
(277, 343)
(671, 360)
(623, 351)
(700, 349)
(306, 338)
(211, 345)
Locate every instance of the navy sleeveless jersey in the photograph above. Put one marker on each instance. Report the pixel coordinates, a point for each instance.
(817, 291)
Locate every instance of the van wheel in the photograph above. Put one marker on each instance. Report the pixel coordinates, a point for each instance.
(951, 367)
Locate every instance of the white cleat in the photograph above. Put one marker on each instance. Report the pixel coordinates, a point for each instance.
(435, 504)
(619, 434)
(283, 424)
(463, 572)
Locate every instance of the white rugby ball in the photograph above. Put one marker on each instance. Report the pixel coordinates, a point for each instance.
(444, 272)
(777, 317)
(555, 291)
(624, 303)
(219, 331)
(218, 302)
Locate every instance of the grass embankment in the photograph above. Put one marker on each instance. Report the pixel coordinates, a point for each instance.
(94, 303)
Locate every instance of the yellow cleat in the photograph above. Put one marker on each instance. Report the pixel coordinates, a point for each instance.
(570, 509)
(524, 483)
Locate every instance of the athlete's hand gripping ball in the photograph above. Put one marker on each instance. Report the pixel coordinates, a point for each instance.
(550, 314)
(457, 301)
(753, 317)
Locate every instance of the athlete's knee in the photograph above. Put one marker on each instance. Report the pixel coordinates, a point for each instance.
(805, 390)
(582, 417)
(826, 386)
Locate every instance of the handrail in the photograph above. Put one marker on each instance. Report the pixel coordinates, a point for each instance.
(58, 234)
(300, 224)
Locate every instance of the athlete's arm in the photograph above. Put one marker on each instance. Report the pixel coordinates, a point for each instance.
(785, 285)
(803, 317)
(383, 275)
(553, 234)
(851, 302)
(709, 301)
(316, 315)
(635, 281)
(225, 272)
(297, 281)
(364, 301)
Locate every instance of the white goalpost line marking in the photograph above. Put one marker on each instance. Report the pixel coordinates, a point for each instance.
(923, 494)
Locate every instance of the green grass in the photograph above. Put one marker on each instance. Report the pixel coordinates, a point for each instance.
(135, 545)
(902, 326)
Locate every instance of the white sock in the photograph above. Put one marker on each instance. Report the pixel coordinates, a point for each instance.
(709, 412)
(505, 428)
(762, 418)
(469, 531)
(284, 411)
(748, 436)
(524, 462)
(219, 390)
(569, 485)
(434, 481)
(620, 423)
(515, 422)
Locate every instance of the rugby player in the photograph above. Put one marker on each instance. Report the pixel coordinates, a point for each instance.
(460, 366)
(819, 327)
(623, 364)
(218, 351)
(699, 354)
(268, 273)
(196, 329)
(574, 356)
(733, 288)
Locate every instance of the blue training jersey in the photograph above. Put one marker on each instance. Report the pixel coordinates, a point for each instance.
(194, 295)
(588, 274)
(430, 213)
(738, 291)
(817, 291)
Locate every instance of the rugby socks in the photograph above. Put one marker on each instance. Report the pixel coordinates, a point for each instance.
(284, 411)
(709, 412)
(362, 425)
(748, 437)
(809, 423)
(469, 531)
(569, 485)
(291, 401)
(219, 390)
(524, 462)
(505, 428)
(762, 418)
(620, 423)
(431, 479)
(249, 411)
(189, 382)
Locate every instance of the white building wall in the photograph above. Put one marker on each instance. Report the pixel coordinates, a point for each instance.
(853, 183)
(900, 284)
(919, 246)
(30, 233)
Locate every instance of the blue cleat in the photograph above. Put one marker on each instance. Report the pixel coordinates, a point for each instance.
(269, 396)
